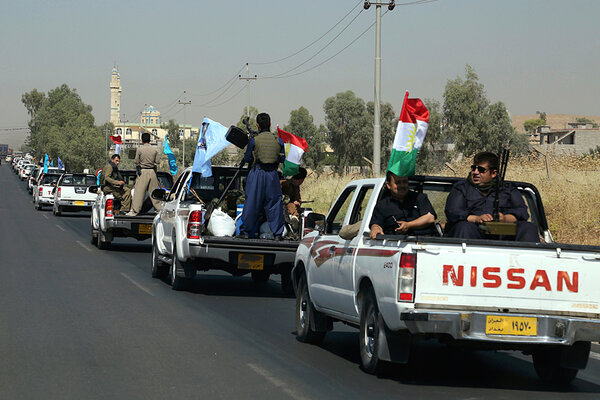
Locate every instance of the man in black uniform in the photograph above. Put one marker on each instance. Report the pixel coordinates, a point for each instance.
(263, 190)
(401, 211)
(471, 202)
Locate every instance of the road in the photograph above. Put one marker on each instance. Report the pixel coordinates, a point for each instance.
(81, 323)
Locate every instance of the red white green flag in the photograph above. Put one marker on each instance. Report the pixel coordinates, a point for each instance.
(410, 134)
(294, 149)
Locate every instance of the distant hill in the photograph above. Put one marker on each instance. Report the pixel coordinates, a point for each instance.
(556, 121)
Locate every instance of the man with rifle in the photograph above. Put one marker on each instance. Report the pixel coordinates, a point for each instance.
(263, 191)
(472, 203)
(292, 200)
(111, 182)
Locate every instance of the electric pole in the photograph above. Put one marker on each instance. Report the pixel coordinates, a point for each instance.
(247, 78)
(106, 140)
(185, 102)
(377, 108)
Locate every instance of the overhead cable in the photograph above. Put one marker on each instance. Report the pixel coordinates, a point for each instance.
(311, 43)
(234, 77)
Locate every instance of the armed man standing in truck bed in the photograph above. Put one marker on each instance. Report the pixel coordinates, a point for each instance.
(147, 159)
(263, 190)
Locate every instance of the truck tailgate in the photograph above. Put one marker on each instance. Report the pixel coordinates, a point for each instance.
(509, 279)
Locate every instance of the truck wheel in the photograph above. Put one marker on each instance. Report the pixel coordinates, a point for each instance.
(177, 282)
(159, 269)
(547, 366)
(57, 210)
(259, 276)
(286, 282)
(369, 333)
(38, 206)
(94, 236)
(101, 243)
(304, 315)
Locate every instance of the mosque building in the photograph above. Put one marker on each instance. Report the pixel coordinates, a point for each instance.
(150, 120)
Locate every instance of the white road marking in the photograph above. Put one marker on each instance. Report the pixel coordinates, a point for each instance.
(278, 383)
(83, 245)
(60, 227)
(45, 216)
(595, 356)
(137, 284)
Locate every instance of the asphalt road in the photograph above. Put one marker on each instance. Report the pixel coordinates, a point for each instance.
(80, 323)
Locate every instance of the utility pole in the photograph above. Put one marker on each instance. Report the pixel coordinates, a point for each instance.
(247, 78)
(185, 102)
(106, 142)
(377, 108)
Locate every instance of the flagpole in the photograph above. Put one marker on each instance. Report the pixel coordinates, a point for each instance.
(185, 102)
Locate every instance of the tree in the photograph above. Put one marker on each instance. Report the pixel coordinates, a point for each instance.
(349, 129)
(173, 137)
(531, 124)
(251, 118)
(64, 127)
(433, 154)
(471, 122)
(388, 122)
(301, 124)
(584, 120)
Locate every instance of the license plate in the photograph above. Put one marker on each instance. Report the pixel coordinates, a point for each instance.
(80, 203)
(503, 325)
(251, 261)
(145, 229)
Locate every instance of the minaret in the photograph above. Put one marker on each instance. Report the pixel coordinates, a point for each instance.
(115, 97)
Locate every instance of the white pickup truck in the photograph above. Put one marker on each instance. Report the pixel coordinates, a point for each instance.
(107, 222)
(71, 193)
(181, 247)
(538, 298)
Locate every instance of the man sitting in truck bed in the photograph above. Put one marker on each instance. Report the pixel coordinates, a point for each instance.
(471, 203)
(401, 211)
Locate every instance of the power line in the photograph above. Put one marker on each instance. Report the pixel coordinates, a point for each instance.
(318, 52)
(221, 87)
(217, 97)
(229, 99)
(328, 59)
(311, 43)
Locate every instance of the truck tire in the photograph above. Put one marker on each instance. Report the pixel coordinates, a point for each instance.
(93, 236)
(57, 210)
(287, 285)
(38, 206)
(259, 276)
(547, 366)
(101, 243)
(159, 269)
(305, 312)
(369, 333)
(177, 282)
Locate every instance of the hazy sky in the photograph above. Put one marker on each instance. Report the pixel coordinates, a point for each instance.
(531, 54)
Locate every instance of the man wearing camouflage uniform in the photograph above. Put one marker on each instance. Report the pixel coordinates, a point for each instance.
(147, 159)
(112, 183)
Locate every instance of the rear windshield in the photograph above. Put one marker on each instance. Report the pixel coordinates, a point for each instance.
(164, 180)
(78, 180)
(212, 187)
(48, 179)
(29, 167)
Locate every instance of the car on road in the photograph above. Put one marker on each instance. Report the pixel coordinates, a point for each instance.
(32, 179)
(71, 193)
(25, 171)
(43, 195)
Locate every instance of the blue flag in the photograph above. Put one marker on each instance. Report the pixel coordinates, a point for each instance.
(211, 140)
(46, 162)
(52, 163)
(171, 157)
(60, 164)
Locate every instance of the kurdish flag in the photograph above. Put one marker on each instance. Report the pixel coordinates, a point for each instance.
(410, 134)
(294, 149)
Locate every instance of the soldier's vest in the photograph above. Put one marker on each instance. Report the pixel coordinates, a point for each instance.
(266, 148)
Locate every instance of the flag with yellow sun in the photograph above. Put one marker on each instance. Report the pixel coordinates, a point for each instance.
(410, 134)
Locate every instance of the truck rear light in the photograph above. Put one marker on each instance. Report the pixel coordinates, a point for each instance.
(108, 209)
(194, 226)
(406, 277)
(58, 193)
(41, 191)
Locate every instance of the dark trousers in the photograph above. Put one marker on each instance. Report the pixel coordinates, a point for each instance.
(263, 192)
(526, 232)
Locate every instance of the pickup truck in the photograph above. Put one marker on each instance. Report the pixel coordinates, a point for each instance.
(538, 298)
(43, 194)
(107, 222)
(71, 193)
(181, 246)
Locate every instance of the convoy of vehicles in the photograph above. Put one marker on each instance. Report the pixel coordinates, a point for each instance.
(538, 298)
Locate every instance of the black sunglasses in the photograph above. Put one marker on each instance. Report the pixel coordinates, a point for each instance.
(479, 169)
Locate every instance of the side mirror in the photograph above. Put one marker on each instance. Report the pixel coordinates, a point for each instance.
(315, 221)
(159, 194)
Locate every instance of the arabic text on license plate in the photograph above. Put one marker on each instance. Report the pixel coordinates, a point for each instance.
(251, 261)
(145, 229)
(80, 203)
(504, 325)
